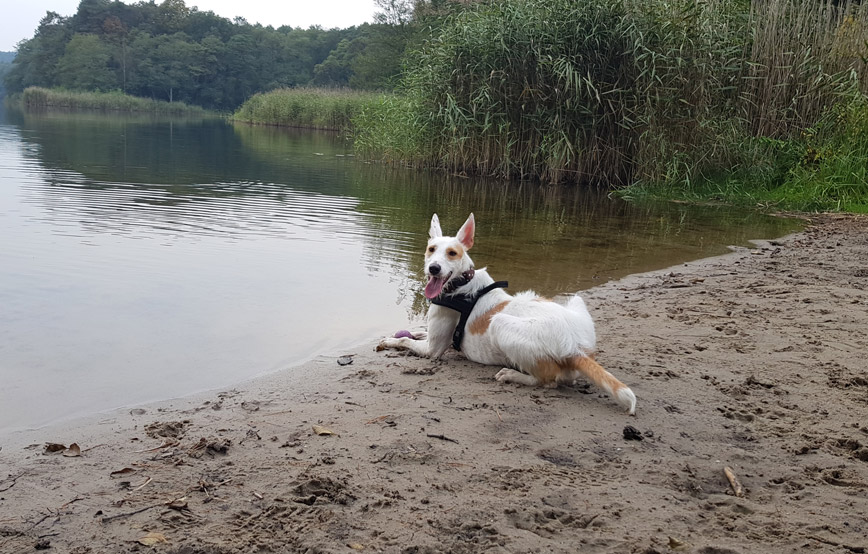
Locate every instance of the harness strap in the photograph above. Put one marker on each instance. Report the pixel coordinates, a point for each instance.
(463, 304)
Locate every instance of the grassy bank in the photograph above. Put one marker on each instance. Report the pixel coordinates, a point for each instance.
(331, 109)
(37, 97)
(753, 102)
(824, 168)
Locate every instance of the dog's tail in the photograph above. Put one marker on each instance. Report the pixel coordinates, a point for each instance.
(596, 374)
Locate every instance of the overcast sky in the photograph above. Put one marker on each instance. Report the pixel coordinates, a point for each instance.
(20, 18)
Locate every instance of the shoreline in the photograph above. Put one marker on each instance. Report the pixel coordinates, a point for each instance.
(748, 360)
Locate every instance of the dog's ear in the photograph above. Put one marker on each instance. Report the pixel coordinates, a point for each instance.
(435, 231)
(465, 234)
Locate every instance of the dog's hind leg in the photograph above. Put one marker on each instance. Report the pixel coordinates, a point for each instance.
(508, 375)
(544, 372)
(596, 374)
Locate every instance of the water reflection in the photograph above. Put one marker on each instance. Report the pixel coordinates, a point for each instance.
(146, 258)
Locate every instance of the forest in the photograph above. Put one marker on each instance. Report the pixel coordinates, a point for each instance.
(6, 59)
(174, 52)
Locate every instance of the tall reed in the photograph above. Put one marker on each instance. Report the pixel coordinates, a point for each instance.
(622, 91)
(803, 57)
(312, 108)
(38, 97)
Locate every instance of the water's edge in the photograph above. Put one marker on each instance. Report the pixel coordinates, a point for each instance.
(312, 376)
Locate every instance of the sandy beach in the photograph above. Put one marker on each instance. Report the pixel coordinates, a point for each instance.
(753, 361)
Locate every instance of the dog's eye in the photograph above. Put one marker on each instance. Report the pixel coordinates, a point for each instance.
(452, 253)
(431, 249)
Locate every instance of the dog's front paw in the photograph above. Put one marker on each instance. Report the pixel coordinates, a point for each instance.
(382, 345)
(388, 343)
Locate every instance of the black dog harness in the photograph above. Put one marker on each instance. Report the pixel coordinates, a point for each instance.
(463, 303)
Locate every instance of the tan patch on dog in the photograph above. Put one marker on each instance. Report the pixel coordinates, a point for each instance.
(481, 323)
(589, 367)
(547, 371)
(542, 299)
(457, 249)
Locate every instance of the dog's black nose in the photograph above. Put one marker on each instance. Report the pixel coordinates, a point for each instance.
(434, 269)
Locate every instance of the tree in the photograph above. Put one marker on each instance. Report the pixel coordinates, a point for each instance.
(84, 65)
(6, 59)
(90, 15)
(115, 32)
(173, 15)
(36, 63)
(336, 70)
(211, 93)
(394, 12)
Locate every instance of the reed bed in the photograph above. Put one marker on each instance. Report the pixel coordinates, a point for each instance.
(38, 97)
(664, 94)
(312, 108)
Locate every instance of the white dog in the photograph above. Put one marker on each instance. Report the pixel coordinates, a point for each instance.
(548, 342)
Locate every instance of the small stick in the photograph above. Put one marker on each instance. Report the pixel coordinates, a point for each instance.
(443, 438)
(76, 499)
(140, 510)
(12, 481)
(733, 482)
(128, 514)
(143, 484)
(164, 445)
(277, 413)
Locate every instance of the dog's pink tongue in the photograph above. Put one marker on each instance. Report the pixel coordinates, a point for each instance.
(433, 288)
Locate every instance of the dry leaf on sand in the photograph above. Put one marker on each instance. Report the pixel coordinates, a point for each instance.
(320, 430)
(151, 539)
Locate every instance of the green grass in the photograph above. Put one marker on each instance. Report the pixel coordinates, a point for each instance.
(389, 130)
(825, 168)
(312, 108)
(37, 97)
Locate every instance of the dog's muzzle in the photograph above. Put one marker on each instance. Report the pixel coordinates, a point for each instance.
(436, 281)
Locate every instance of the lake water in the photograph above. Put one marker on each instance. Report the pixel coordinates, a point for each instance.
(144, 259)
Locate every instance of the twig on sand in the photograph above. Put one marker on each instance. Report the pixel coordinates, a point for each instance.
(140, 487)
(442, 437)
(203, 486)
(54, 512)
(733, 482)
(165, 444)
(128, 514)
(277, 413)
(170, 504)
(835, 543)
(12, 480)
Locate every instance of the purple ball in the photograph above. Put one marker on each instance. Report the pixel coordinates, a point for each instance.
(403, 333)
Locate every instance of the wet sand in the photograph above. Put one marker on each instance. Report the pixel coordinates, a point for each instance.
(753, 361)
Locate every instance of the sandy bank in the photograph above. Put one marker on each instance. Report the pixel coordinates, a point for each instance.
(754, 360)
